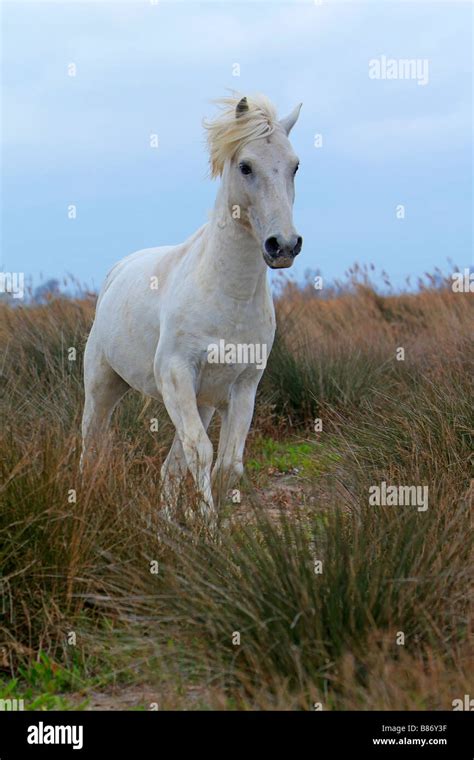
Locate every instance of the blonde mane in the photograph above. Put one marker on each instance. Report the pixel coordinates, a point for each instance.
(227, 133)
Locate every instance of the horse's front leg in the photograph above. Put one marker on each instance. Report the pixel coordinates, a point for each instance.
(175, 467)
(236, 421)
(179, 396)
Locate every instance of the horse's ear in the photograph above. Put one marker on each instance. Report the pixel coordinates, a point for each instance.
(241, 107)
(289, 121)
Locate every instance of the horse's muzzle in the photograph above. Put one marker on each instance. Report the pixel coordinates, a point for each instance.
(280, 253)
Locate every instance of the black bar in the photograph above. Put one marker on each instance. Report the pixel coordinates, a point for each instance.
(229, 734)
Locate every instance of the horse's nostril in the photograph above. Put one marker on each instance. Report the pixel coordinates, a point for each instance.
(272, 245)
(280, 246)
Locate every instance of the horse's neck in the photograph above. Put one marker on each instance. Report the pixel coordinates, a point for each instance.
(232, 259)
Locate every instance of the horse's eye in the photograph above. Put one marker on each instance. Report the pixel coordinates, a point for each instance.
(296, 168)
(245, 168)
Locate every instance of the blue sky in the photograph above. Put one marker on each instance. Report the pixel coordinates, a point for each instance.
(146, 68)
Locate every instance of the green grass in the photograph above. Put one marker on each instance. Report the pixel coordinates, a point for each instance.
(41, 684)
(305, 458)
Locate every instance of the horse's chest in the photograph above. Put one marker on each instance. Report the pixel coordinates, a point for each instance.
(227, 359)
(216, 380)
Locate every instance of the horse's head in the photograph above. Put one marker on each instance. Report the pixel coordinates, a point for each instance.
(251, 148)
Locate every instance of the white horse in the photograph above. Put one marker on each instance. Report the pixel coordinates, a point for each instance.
(163, 310)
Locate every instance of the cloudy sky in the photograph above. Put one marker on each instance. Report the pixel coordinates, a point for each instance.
(147, 68)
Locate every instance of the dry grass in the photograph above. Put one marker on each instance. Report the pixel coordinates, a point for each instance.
(84, 566)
